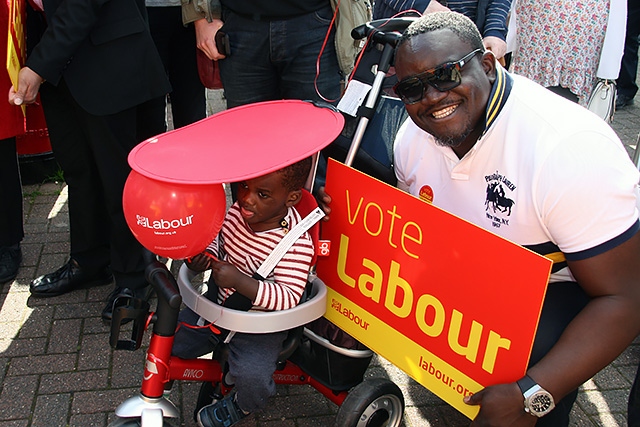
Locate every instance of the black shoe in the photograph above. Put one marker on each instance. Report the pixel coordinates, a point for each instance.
(141, 293)
(622, 101)
(10, 259)
(223, 413)
(67, 278)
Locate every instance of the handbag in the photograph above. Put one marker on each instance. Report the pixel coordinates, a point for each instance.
(208, 70)
(603, 99)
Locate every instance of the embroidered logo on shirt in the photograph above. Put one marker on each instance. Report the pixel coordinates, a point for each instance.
(497, 203)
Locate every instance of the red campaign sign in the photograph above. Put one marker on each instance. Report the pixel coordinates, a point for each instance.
(458, 296)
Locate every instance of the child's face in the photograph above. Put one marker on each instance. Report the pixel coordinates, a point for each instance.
(264, 201)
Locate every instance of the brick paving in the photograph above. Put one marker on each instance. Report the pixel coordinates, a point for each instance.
(57, 369)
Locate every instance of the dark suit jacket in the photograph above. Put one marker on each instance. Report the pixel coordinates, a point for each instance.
(104, 52)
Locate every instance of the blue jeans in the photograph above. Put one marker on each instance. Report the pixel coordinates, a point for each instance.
(273, 60)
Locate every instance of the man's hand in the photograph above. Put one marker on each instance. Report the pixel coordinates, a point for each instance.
(28, 85)
(323, 201)
(495, 45)
(500, 405)
(206, 37)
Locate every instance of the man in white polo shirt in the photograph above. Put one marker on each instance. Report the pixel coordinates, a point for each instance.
(508, 155)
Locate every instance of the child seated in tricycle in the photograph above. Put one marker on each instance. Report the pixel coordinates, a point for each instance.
(262, 215)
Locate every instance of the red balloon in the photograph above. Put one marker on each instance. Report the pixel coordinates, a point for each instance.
(173, 220)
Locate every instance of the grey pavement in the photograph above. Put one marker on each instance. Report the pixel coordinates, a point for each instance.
(57, 369)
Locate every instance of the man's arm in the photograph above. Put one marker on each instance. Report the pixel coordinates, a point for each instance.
(593, 339)
(605, 327)
(495, 27)
(68, 26)
(67, 29)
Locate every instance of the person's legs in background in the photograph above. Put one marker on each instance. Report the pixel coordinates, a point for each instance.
(296, 47)
(92, 151)
(277, 59)
(247, 73)
(89, 255)
(176, 45)
(11, 226)
(111, 138)
(188, 96)
(626, 83)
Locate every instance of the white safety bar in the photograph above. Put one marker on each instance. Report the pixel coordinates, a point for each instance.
(253, 322)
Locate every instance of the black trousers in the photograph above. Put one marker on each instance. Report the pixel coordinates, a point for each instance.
(177, 47)
(92, 152)
(629, 67)
(563, 301)
(11, 230)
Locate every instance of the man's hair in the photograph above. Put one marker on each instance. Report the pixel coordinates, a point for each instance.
(462, 26)
(295, 176)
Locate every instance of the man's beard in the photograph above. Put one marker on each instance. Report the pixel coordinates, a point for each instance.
(454, 141)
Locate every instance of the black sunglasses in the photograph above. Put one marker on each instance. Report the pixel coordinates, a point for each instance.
(443, 78)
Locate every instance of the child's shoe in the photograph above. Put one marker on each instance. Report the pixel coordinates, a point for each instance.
(223, 413)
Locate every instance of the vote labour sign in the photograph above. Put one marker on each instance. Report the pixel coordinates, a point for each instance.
(453, 305)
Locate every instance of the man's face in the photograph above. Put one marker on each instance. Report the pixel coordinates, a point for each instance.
(263, 201)
(454, 117)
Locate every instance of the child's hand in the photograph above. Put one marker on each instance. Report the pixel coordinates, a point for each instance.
(200, 262)
(323, 201)
(225, 274)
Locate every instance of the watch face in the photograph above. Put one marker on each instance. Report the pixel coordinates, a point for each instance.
(541, 403)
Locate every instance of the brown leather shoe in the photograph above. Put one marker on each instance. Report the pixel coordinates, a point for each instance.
(67, 278)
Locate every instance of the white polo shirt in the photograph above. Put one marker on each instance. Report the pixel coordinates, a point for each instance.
(546, 174)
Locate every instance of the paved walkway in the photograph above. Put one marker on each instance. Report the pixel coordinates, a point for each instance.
(57, 369)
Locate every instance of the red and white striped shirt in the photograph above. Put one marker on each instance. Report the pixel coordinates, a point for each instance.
(246, 249)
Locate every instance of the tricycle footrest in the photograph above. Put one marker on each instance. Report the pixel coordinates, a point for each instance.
(126, 309)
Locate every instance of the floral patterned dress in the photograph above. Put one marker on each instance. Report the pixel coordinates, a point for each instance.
(559, 42)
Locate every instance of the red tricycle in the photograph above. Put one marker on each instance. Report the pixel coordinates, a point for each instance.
(307, 356)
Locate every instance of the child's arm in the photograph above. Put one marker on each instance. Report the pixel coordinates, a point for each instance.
(226, 275)
(289, 278)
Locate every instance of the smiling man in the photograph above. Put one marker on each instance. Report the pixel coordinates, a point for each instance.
(510, 156)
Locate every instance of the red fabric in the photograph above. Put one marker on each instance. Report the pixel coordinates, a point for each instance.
(11, 118)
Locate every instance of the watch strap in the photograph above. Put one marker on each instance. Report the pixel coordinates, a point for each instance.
(525, 383)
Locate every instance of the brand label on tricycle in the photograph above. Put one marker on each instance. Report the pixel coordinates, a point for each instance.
(453, 305)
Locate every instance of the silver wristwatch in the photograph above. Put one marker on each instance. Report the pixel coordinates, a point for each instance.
(537, 401)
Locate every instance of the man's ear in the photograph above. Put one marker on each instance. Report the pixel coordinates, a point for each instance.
(489, 64)
(293, 198)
